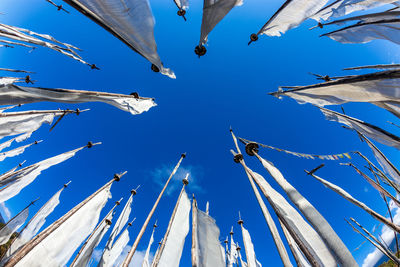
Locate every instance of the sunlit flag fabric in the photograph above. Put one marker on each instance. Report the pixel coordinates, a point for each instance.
(249, 248)
(291, 14)
(319, 223)
(366, 129)
(297, 254)
(117, 248)
(303, 230)
(14, 94)
(207, 249)
(131, 21)
(26, 122)
(341, 8)
(172, 252)
(16, 151)
(368, 28)
(23, 35)
(213, 12)
(58, 246)
(387, 166)
(146, 259)
(35, 224)
(13, 225)
(22, 178)
(233, 254)
(118, 227)
(8, 143)
(378, 88)
(84, 255)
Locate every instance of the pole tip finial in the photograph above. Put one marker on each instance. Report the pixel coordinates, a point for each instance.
(133, 192)
(108, 222)
(89, 144)
(117, 177)
(240, 221)
(183, 155)
(154, 68)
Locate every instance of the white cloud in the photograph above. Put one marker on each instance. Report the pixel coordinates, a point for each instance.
(160, 176)
(137, 259)
(387, 236)
(5, 211)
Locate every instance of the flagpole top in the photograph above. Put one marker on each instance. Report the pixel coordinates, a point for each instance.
(251, 148)
(185, 180)
(118, 176)
(154, 68)
(240, 222)
(118, 202)
(66, 185)
(183, 155)
(253, 38)
(108, 221)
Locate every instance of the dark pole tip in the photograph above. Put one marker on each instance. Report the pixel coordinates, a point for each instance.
(154, 68)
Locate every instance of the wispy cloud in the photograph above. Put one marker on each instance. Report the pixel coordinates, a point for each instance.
(387, 236)
(5, 211)
(138, 257)
(161, 174)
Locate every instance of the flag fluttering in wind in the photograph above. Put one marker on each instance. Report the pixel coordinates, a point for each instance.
(16, 151)
(16, 181)
(291, 14)
(368, 27)
(170, 251)
(206, 249)
(27, 36)
(340, 8)
(213, 12)
(146, 258)
(14, 94)
(35, 224)
(53, 247)
(379, 88)
(131, 22)
(14, 224)
(365, 128)
(26, 122)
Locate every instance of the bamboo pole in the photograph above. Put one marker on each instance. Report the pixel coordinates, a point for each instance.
(143, 229)
(105, 219)
(45, 233)
(156, 260)
(39, 112)
(268, 218)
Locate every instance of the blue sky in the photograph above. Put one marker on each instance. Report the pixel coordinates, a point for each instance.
(227, 87)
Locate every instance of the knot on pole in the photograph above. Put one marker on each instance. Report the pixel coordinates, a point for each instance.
(135, 94)
(251, 148)
(181, 12)
(237, 158)
(200, 50)
(117, 177)
(133, 192)
(108, 221)
(240, 222)
(183, 155)
(320, 25)
(89, 144)
(154, 68)
(185, 181)
(253, 38)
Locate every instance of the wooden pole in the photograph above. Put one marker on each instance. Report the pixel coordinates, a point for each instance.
(268, 218)
(143, 229)
(158, 256)
(45, 233)
(39, 112)
(94, 231)
(31, 203)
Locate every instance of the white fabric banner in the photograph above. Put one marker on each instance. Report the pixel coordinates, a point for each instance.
(57, 248)
(130, 20)
(20, 179)
(291, 15)
(117, 249)
(249, 248)
(146, 259)
(13, 123)
(305, 232)
(210, 253)
(121, 222)
(366, 129)
(14, 94)
(182, 4)
(213, 12)
(16, 151)
(172, 252)
(35, 224)
(13, 225)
